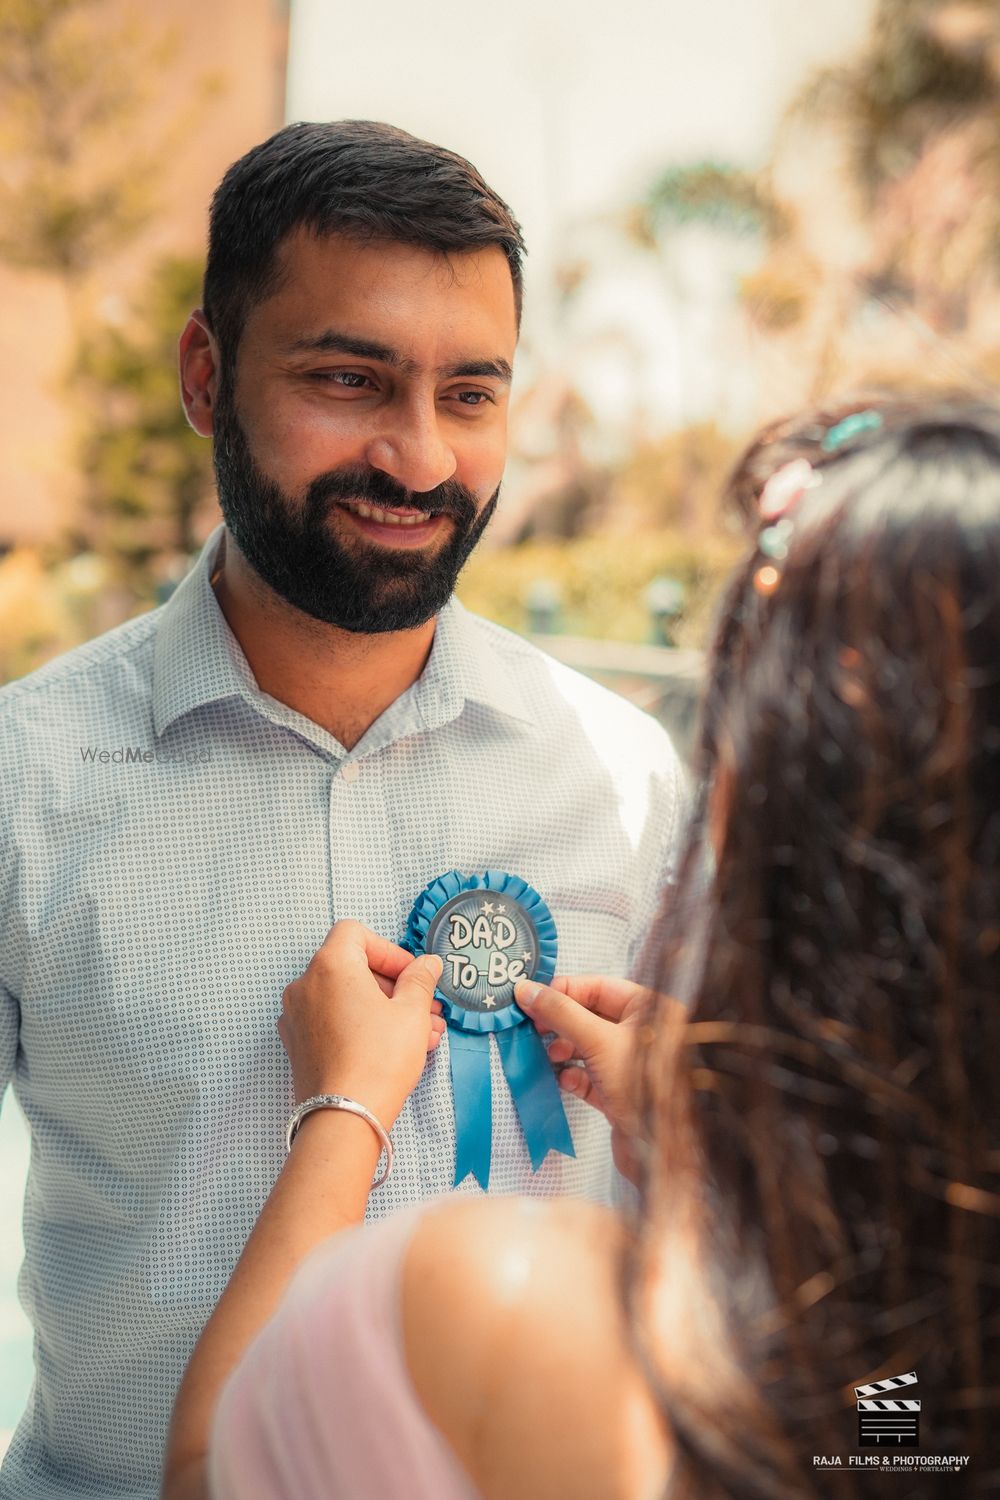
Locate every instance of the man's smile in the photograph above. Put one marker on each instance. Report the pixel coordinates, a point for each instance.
(396, 527)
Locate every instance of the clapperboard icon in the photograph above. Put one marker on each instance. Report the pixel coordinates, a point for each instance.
(885, 1419)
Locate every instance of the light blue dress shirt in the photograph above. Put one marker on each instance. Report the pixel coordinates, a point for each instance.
(174, 846)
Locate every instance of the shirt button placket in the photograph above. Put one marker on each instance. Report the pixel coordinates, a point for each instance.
(362, 877)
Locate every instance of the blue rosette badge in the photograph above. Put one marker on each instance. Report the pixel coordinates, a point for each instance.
(489, 931)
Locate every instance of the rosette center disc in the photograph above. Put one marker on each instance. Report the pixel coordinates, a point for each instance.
(487, 942)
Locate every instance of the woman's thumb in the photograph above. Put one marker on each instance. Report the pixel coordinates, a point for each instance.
(418, 980)
(553, 1011)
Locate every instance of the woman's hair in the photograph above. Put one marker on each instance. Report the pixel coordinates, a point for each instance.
(781, 441)
(820, 1135)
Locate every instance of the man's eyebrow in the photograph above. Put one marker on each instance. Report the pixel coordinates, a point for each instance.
(332, 342)
(492, 369)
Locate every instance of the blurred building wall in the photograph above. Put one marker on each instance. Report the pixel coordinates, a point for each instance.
(244, 44)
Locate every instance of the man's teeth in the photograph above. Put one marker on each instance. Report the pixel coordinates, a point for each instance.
(387, 517)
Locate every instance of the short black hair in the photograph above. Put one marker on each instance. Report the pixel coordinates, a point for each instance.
(355, 177)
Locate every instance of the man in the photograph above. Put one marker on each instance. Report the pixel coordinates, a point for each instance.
(311, 728)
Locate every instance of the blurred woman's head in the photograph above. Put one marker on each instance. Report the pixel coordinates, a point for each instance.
(835, 1086)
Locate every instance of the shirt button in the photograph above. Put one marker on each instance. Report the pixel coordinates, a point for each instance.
(350, 772)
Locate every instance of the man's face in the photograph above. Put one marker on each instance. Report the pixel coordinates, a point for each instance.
(359, 457)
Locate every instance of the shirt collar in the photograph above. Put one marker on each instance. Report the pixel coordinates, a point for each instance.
(196, 657)
(465, 667)
(198, 660)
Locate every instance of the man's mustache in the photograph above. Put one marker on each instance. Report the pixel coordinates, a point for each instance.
(372, 487)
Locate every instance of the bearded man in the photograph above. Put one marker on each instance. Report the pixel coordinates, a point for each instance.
(310, 728)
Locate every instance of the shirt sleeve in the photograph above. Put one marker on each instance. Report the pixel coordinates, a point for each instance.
(666, 833)
(10, 1020)
(10, 1010)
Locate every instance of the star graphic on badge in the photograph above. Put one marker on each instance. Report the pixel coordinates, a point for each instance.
(526, 958)
(491, 1000)
(488, 906)
(501, 908)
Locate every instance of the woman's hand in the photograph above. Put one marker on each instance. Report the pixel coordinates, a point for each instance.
(596, 1021)
(361, 1020)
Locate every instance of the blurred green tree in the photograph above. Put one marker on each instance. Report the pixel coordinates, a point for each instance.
(78, 171)
(928, 64)
(685, 205)
(915, 116)
(147, 475)
(894, 254)
(717, 194)
(83, 153)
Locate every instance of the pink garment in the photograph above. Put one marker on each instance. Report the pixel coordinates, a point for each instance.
(321, 1407)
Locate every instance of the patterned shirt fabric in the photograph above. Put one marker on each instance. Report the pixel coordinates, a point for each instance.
(174, 846)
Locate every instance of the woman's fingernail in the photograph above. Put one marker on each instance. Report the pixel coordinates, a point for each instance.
(526, 991)
(435, 963)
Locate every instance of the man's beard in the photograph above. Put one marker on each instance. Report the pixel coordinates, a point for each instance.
(361, 587)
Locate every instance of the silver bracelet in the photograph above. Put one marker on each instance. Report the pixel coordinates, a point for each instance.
(339, 1101)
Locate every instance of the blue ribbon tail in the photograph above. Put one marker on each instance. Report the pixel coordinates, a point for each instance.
(470, 1083)
(535, 1093)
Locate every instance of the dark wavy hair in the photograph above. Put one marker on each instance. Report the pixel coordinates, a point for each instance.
(820, 1135)
(355, 177)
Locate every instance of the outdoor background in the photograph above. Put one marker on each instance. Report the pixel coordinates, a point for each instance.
(731, 209)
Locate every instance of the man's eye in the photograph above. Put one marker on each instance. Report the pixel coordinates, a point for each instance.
(474, 398)
(349, 378)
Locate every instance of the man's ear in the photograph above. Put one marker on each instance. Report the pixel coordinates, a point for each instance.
(199, 366)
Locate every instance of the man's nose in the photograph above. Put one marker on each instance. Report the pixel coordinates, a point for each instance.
(410, 447)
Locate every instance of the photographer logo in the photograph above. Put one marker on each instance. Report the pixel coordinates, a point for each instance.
(886, 1419)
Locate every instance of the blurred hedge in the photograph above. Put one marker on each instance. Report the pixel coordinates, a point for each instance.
(602, 580)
